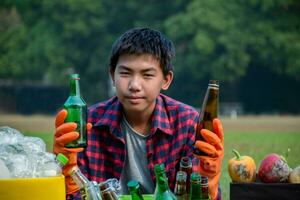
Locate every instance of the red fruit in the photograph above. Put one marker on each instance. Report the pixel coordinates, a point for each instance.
(273, 169)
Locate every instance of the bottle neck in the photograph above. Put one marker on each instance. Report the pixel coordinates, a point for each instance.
(135, 195)
(79, 178)
(162, 183)
(74, 87)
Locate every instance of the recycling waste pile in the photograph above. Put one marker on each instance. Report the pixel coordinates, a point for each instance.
(27, 170)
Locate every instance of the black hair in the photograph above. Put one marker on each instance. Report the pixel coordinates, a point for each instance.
(143, 41)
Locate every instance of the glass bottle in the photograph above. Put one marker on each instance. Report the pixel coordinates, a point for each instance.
(77, 112)
(195, 192)
(107, 191)
(180, 185)
(162, 190)
(209, 110)
(186, 166)
(204, 188)
(87, 188)
(134, 188)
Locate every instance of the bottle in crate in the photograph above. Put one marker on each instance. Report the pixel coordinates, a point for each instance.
(162, 190)
(134, 189)
(87, 188)
(180, 185)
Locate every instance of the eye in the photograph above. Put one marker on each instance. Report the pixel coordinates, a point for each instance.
(148, 75)
(124, 72)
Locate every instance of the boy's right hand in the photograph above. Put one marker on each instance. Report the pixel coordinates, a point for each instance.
(65, 133)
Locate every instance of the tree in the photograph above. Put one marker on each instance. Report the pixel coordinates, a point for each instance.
(223, 39)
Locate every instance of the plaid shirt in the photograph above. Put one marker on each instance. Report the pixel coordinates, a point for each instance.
(171, 137)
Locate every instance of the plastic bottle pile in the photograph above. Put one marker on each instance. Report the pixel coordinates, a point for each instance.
(25, 157)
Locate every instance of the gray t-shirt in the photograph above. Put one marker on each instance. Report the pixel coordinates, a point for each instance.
(136, 164)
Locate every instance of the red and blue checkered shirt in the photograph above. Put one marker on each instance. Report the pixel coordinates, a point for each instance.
(171, 137)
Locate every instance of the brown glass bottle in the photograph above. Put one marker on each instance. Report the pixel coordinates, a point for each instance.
(209, 110)
(180, 185)
(186, 165)
(204, 188)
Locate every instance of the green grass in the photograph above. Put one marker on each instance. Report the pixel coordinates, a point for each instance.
(256, 145)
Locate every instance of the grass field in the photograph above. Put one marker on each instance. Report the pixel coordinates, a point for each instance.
(255, 136)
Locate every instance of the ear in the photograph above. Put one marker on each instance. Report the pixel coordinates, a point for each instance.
(111, 73)
(167, 80)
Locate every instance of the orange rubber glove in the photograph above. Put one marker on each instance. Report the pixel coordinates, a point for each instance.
(65, 133)
(211, 163)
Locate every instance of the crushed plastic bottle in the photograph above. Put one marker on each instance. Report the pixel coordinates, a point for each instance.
(24, 156)
(4, 172)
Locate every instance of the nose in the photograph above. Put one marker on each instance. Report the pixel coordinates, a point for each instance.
(135, 84)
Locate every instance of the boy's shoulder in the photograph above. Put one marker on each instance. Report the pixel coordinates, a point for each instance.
(172, 105)
(109, 107)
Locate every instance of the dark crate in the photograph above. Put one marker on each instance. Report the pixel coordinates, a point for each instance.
(264, 191)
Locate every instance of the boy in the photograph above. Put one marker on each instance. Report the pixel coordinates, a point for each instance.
(140, 127)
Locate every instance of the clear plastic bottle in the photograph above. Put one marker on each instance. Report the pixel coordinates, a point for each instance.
(53, 168)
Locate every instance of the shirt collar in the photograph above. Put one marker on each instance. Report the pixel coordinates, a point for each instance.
(160, 119)
(112, 117)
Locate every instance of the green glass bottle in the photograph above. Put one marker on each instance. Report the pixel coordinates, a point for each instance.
(195, 190)
(162, 190)
(134, 189)
(77, 112)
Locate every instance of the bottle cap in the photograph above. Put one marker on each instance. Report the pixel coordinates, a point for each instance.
(195, 176)
(204, 180)
(186, 161)
(62, 159)
(133, 184)
(75, 76)
(214, 83)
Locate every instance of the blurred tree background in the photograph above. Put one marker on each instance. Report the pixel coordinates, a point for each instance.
(252, 47)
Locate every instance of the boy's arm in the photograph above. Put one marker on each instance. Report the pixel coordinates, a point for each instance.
(211, 163)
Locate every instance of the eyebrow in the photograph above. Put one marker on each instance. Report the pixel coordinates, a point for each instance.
(150, 69)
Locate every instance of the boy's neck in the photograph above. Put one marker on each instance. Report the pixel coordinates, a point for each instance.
(140, 123)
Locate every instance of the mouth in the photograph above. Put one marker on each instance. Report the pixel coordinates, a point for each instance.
(134, 99)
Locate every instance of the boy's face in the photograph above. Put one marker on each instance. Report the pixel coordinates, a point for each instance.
(138, 80)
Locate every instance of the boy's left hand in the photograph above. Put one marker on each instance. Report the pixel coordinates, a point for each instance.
(211, 163)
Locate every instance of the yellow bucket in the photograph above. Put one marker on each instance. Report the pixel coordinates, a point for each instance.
(49, 188)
